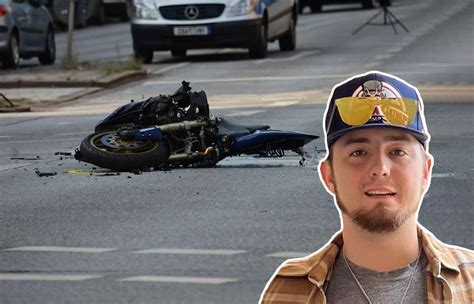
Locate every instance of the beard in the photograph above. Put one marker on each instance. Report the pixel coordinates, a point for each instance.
(376, 220)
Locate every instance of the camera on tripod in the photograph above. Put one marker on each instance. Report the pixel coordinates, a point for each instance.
(388, 18)
(385, 3)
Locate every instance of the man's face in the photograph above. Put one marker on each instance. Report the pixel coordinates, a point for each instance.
(378, 176)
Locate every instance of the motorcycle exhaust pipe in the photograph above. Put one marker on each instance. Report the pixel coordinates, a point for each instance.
(154, 133)
(185, 125)
(190, 156)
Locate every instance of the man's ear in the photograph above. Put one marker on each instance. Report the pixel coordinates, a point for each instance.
(327, 175)
(427, 169)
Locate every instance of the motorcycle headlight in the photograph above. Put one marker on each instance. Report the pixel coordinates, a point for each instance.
(242, 7)
(144, 9)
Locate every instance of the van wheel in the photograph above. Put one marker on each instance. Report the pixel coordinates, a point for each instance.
(145, 55)
(316, 6)
(287, 42)
(178, 53)
(259, 50)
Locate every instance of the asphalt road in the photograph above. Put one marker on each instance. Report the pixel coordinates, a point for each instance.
(216, 235)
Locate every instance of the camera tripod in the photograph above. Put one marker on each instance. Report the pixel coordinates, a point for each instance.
(388, 18)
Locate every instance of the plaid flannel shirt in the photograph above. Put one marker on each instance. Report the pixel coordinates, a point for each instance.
(450, 274)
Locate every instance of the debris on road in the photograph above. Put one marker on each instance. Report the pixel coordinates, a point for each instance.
(26, 158)
(63, 153)
(42, 174)
(94, 172)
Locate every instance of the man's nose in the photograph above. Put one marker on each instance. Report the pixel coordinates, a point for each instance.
(381, 165)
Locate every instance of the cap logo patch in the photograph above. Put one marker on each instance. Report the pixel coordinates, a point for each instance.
(376, 89)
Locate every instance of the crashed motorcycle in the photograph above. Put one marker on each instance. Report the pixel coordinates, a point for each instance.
(177, 131)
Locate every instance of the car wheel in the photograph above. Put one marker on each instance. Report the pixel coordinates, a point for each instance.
(316, 6)
(145, 55)
(49, 55)
(259, 50)
(11, 59)
(287, 42)
(178, 53)
(100, 17)
(368, 3)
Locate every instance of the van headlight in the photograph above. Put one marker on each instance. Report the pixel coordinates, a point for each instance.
(144, 9)
(242, 7)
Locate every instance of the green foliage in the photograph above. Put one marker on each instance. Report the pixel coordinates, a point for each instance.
(131, 64)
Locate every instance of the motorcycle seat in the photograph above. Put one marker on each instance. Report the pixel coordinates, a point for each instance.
(236, 130)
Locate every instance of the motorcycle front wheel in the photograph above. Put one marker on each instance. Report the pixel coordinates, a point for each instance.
(108, 150)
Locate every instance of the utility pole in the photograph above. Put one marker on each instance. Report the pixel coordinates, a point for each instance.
(70, 31)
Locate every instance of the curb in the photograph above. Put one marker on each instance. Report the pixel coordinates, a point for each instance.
(91, 86)
(104, 82)
(15, 109)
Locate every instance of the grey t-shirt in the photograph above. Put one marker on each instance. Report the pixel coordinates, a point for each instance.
(381, 287)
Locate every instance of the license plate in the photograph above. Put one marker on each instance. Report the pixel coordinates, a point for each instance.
(191, 30)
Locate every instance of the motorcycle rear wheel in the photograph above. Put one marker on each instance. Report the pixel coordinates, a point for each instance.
(107, 150)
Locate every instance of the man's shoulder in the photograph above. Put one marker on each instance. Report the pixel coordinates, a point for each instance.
(316, 262)
(451, 256)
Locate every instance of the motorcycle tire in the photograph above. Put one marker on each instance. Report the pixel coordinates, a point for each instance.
(107, 150)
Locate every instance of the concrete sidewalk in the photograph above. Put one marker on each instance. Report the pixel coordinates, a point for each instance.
(39, 87)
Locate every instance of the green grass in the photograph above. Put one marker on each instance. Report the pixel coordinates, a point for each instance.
(131, 64)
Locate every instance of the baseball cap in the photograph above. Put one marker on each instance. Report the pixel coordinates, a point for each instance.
(374, 99)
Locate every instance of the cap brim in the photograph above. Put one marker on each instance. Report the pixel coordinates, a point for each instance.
(421, 137)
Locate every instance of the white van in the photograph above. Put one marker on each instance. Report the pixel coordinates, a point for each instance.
(179, 25)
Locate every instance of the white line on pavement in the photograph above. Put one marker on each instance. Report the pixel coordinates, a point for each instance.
(61, 249)
(14, 166)
(5, 136)
(248, 79)
(74, 133)
(288, 254)
(294, 57)
(39, 140)
(442, 175)
(284, 103)
(189, 251)
(45, 277)
(243, 113)
(166, 279)
(169, 68)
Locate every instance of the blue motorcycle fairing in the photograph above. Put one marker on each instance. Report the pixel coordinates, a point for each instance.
(274, 139)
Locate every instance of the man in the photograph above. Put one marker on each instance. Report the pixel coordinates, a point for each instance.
(378, 169)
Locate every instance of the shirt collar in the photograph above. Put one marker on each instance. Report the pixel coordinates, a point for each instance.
(438, 254)
(318, 266)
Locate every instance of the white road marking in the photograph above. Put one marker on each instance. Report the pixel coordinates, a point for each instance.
(14, 166)
(61, 249)
(168, 279)
(372, 64)
(169, 68)
(38, 140)
(248, 79)
(75, 133)
(45, 277)
(189, 251)
(442, 175)
(63, 123)
(288, 254)
(294, 57)
(243, 113)
(5, 136)
(284, 103)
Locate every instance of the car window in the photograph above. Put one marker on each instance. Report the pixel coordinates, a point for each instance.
(19, 1)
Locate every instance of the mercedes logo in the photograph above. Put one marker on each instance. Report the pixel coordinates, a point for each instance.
(191, 12)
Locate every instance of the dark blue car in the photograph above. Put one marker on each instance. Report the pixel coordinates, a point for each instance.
(26, 30)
